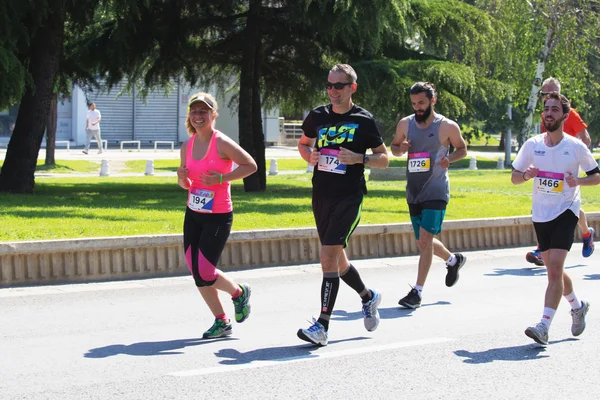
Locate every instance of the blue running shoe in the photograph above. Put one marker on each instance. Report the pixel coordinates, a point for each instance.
(588, 244)
(535, 257)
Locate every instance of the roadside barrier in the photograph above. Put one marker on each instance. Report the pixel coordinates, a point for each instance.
(135, 257)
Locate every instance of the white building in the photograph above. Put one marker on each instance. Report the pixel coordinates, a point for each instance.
(126, 117)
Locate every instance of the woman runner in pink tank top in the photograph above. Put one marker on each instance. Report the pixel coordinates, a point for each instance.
(206, 171)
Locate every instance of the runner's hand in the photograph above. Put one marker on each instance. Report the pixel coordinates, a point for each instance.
(314, 157)
(444, 162)
(531, 173)
(210, 178)
(349, 157)
(182, 173)
(571, 180)
(404, 146)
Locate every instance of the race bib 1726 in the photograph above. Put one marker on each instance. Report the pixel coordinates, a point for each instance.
(419, 162)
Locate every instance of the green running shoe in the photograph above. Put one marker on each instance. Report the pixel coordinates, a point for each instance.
(219, 329)
(242, 308)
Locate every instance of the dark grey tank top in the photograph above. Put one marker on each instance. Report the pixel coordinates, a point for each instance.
(426, 180)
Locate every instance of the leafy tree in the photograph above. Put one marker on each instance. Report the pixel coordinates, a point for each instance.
(549, 38)
(38, 51)
(272, 49)
(33, 48)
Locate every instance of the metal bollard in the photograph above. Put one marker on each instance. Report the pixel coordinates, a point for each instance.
(273, 167)
(500, 164)
(149, 167)
(472, 163)
(104, 168)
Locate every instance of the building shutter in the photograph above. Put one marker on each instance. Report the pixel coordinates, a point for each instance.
(156, 118)
(117, 113)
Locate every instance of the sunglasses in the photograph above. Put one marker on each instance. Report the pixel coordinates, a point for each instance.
(545, 93)
(338, 85)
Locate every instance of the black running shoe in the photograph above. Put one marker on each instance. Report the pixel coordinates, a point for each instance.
(411, 300)
(452, 274)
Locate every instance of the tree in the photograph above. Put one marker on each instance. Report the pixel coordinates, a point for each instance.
(271, 49)
(42, 59)
(548, 38)
(32, 46)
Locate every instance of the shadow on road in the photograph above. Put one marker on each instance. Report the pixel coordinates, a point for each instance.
(514, 353)
(526, 271)
(149, 348)
(384, 313)
(283, 353)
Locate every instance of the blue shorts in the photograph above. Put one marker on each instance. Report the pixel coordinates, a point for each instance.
(428, 215)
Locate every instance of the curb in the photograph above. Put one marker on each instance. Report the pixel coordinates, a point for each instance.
(136, 257)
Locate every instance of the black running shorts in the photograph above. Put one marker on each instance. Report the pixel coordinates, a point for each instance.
(558, 233)
(337, 217)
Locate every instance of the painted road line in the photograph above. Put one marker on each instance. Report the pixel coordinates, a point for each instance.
(309, 357)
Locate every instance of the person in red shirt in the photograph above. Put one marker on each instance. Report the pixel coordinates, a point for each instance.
(575, 127)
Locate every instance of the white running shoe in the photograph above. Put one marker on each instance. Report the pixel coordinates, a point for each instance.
(578, 315)
(539, 333)
(315, 334)
(371, 313)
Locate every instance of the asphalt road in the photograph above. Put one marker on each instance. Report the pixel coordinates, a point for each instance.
(142, 339)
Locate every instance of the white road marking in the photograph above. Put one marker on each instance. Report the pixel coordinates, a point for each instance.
(309, 357)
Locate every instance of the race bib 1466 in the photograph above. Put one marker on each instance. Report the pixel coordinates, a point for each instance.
(549, 183)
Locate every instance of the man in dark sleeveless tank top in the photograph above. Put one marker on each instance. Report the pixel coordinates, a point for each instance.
(426, 136)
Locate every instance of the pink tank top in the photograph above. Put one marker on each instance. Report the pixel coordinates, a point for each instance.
(208, 199)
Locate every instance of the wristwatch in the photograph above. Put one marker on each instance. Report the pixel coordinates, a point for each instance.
(365, 159)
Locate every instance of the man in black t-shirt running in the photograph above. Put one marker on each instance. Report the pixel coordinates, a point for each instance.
(335, 140)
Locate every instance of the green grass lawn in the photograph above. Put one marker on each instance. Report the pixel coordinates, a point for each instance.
(72, 207)
(67, 167)
(159, 166)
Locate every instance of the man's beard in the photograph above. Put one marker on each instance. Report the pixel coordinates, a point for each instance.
(423, 117)
(553, 126)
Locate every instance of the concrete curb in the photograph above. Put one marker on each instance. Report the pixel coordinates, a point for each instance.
(115, 258)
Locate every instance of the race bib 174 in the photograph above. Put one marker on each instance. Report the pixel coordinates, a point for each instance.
(549, 183)
(329, 162)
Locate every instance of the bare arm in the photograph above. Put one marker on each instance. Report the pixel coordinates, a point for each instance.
(182, 172)
(380, 158)
(400, 145)
(455, 138)
(589, 180)
(234, 152)
(519, 177)
(306, 148)
(584, 136)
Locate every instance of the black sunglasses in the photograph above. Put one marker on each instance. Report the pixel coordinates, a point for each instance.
(545, 93)
(338, 85)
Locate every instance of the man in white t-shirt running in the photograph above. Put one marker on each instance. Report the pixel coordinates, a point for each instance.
(552, 160)
(92, 128)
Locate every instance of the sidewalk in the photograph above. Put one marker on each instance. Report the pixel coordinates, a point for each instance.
(118, 158)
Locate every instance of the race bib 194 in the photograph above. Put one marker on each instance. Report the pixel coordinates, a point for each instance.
(419, 162)
(329, 162)
(201, 200)
(550, 183)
